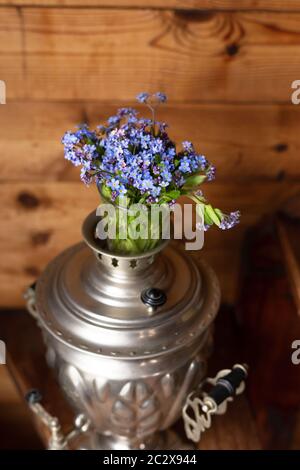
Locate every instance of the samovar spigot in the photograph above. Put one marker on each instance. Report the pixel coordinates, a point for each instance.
(200, 405)
(57, 439)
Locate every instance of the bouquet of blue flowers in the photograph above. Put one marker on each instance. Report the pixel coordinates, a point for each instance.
(133, 159)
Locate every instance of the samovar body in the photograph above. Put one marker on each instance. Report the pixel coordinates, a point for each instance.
(128, 337)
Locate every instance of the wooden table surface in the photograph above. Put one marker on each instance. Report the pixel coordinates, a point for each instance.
(26, 363)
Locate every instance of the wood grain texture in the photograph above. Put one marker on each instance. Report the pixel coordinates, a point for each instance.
(244, 142)
(11, 55)
(268, 318)
(295, 445)
(289, 234)
(38, 220)
(105, 54)
(277, 5)
(16, 425)
(224, 432)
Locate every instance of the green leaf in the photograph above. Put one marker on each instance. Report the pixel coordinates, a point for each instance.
(210, 215)
(219, 213)
(193, 197)
(100, 150)
(194, 180)
(207, 219)
(169, 196)
(185, 191)
(174, 194)
(106, 192)
(200, 210)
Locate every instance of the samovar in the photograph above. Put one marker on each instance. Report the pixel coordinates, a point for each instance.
(129, 338)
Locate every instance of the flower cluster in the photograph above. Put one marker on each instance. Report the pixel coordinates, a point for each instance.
(230, 220)
(135, 157)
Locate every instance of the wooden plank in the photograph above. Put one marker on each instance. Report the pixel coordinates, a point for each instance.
(30, 142)
(244, 142)
(40, 219)
(28, 377)
(10, 26)
(277, 5)
(8, 393)
(29, 369)
(11, 56)
(105, 54)
(296, 436)
(15, 417)
(288, 233)
(268, 318)
(236, 429)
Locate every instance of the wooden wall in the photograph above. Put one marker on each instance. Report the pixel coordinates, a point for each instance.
(227, 68)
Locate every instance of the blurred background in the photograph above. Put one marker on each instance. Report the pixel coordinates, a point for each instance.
(227, 68)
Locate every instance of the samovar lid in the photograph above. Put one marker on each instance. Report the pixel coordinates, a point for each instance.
(94, 300)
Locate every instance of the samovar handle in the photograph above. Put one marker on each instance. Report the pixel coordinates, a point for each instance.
(57, 440)
(29, 296)
(200, 405)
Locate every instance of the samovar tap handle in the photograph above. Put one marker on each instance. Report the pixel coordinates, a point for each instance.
(201, 405)
(29, 296)
(57, 440)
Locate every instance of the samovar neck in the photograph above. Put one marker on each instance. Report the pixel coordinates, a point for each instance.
(119, 264)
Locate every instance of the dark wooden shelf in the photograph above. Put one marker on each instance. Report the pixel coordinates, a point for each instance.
(28, 368)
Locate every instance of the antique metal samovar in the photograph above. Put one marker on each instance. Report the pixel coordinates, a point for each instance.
(129, 338)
